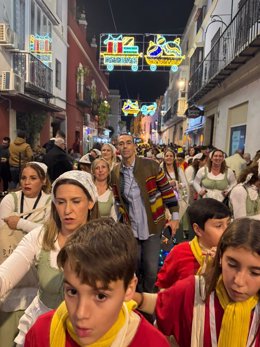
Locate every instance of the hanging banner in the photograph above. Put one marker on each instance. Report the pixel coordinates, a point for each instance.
(140, 52)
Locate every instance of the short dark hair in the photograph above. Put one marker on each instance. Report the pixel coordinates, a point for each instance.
(207, 208)
(21, 133)
(102, 250)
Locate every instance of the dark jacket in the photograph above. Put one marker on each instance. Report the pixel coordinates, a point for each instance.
(57, 161)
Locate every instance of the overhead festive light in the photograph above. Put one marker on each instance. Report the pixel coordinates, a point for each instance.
(130, 108)
(120, 51)
(163, 53)
(148, 109)
(136, 52)
(41, 47)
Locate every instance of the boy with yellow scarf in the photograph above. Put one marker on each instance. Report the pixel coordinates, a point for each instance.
(209, 218)
(99, 262)
(222, 307)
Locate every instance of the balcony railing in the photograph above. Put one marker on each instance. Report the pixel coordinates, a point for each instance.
(37, 76)
(237, 44)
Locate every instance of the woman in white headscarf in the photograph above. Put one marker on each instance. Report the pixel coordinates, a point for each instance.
(74, 199)
(34, 202)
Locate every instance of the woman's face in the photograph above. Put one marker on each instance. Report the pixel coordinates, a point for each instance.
(217, 158)
(106, 152)
(31, 183)
(72, 205)
(101, 171)
(192, 151)
(241, 273)
(169, 158)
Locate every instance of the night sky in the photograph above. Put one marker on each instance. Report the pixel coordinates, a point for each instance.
(137, 16)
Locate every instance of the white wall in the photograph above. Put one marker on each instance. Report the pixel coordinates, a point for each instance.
(250, 94)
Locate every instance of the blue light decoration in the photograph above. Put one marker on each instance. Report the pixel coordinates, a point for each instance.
(148, 109)
(131, 108)
(41, 48)
(161, 52)
(119, 51)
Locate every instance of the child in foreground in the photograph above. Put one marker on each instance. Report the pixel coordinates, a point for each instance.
(209, 218)
(98, 261)
(222, 307)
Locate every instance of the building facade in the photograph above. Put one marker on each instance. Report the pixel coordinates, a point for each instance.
(33, 38)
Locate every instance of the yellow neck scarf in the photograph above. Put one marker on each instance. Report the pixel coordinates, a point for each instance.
(61, 322)
(236, 320)
(197, 252)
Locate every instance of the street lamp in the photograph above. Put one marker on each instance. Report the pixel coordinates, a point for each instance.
(181, 84)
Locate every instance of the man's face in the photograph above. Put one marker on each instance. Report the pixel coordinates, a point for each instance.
(5, 144)
(93, 311)
(126, 147)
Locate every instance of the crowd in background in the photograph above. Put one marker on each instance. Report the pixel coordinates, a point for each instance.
(111, 180)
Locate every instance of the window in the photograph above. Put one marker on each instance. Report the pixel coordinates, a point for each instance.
(44, 25)
(39, 20)
(58, 73)
(59, 8)
(32, 18)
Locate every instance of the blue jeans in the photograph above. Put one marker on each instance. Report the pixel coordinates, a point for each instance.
(148, 260)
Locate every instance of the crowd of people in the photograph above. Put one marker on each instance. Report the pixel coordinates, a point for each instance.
(81, 236)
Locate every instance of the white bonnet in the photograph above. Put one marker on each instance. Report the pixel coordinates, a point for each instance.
(197, 156)
(83, 178)
(42, 165)
(85, 159)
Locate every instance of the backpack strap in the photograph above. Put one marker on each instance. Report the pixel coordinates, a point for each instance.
(15, 201)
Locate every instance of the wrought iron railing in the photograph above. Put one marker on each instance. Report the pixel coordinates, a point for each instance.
(242, 31)
(37, 76)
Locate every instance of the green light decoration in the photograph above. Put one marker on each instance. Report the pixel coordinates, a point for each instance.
(130, 108)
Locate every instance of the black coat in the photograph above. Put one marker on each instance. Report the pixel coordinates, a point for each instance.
(58, 162)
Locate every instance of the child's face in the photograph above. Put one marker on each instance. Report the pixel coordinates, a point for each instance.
(213, 230)
(93, 311)
(241, 273)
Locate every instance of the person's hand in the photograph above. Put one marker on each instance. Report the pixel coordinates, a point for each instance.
(202, 192)
(12, 221)
(174, 225)
(210, 252)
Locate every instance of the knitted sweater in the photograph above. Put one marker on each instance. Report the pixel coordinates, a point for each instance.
(155, 190)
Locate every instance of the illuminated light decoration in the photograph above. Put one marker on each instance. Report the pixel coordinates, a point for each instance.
(149, 109)
(41, 48)
(163, 53)
(120, 51)
(130, 107)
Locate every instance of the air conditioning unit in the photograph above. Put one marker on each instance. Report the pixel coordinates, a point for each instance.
(10, 81)
(8, 38)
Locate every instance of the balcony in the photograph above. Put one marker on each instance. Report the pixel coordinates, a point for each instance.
(238, 43)
(37, 76)
(84, 96)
